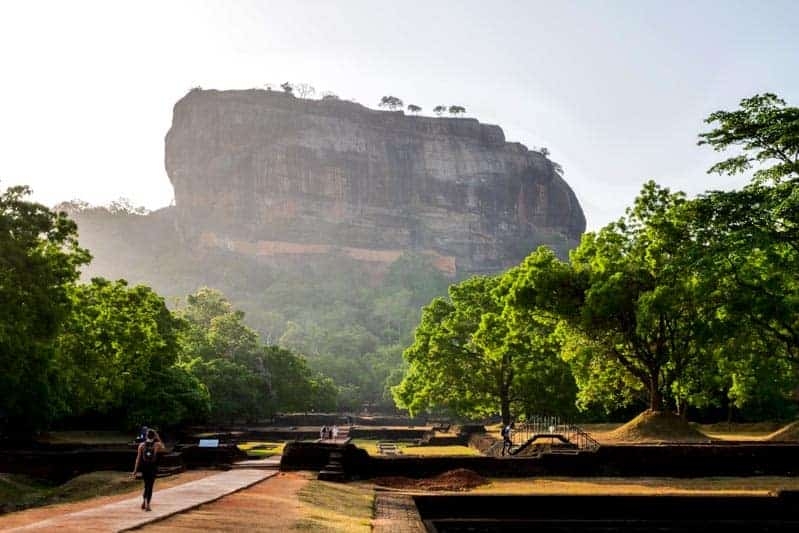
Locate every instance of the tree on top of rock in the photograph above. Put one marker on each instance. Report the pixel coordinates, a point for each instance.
(413, 108)
(456, 110)
(391, 102)
(440, 110)
(305, 90)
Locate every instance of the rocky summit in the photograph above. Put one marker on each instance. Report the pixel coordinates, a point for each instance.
(272, 176)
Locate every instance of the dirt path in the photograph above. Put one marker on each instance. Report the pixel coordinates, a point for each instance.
(272, 505)
(37, 514)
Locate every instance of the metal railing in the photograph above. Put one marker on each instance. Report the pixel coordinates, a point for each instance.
(554, 432)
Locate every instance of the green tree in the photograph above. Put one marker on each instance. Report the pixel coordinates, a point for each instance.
(295, 386)
(749, 238)
(116, 353)
(440, 110)
(39, 261)
(456, 110)
(466, 359)
(643, 317)
(390, 102)
(413, 108)
(224, 354)
(767, 131)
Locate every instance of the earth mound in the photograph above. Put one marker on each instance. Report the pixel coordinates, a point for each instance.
(658, 426)
(788, 433)
(453, 480)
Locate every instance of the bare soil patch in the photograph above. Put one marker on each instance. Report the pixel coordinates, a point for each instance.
(454, 480)
(271, 505)
(656, 427)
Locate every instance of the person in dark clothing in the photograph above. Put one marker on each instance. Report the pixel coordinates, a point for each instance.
(507, 438)
(142, 434)
(147, 464)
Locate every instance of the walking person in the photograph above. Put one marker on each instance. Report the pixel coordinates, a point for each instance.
(507, 442)
(147, 464)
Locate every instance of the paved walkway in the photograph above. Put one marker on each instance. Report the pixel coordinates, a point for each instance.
(396, 513)
(126, 514)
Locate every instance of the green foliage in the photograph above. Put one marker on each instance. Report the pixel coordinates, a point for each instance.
(116, 353)
(474, 356)
(413, 108)
(644, 313)
(766, 130)
(456, 110)
(750, 238)
(39, 259)
(246, 381)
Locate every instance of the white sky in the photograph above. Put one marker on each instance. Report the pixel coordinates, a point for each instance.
(617, 90)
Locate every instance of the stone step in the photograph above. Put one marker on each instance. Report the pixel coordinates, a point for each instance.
(268, 463)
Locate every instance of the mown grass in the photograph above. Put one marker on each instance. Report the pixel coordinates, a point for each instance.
(21, 492)
(336, 507)
(94, 437)
(757, 485)
(755, 431)
(260, 450)
(412, 449)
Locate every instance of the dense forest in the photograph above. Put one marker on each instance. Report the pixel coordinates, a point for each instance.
(348, 323)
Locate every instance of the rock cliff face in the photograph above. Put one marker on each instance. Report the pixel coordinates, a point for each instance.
(267, 174)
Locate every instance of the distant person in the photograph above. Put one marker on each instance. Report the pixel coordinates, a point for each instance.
(323, 433)
(507, 442)
(147, 464)
(335, 432)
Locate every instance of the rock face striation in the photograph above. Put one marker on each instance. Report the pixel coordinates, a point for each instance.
(267, 174)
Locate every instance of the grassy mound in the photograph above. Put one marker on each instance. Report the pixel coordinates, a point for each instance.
(788, 433)
(657, 426)
(20, 492)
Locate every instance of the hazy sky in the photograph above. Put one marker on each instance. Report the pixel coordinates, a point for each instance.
(617, 90)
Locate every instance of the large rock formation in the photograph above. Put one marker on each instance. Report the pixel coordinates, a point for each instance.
(270, 175)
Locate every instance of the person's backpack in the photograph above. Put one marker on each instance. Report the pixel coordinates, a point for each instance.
(148, 454)
(505, 431)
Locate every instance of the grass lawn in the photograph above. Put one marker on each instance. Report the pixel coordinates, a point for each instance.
(752, 431)
(412, 449)
(19, 492)
(93, 437)
(757, 485)
(261, 450)
(341, 507)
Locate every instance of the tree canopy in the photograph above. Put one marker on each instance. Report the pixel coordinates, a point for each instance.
(39, 259)
(471, 358)
(391, 102)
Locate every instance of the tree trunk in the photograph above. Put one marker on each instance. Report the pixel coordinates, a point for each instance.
(655, 396)
(504, 408)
